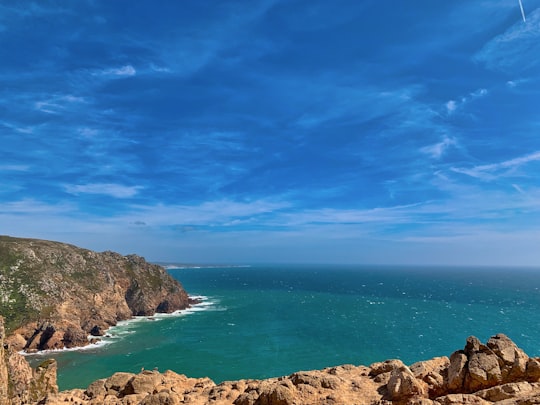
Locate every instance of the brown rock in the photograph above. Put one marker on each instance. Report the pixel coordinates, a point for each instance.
(276, 394)
(432, 372)
(16, 342)
(461, 399)
(505, 391)
(533, 370)
(145, 382)
(513, 360)
(456, 371)
(4, 376)
(403, 386)
(385, 367)
(74, 337)
(96, 389)
(162, 398)
(315, 379)
(116, 383)
(483, 371)
(24, 385)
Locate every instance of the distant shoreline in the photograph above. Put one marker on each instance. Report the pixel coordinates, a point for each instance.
(173, 266)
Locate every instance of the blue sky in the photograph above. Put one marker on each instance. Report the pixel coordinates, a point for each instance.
(274, 131)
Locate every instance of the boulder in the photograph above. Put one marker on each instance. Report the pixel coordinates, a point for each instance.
(455, 374)
(513, 360)
(433, 373)
(116, 383)
(277, 394)
(461, 399)
(533, 370)
(483, 371)
(145, 382)
(403, 385)
(384, 367)
(505, 391)
(96, 389)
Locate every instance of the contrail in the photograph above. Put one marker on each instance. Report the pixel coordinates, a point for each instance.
(522, 11)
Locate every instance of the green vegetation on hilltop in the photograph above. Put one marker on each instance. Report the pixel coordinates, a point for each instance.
(71, 291)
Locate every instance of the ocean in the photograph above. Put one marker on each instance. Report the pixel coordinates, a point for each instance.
(267, 321)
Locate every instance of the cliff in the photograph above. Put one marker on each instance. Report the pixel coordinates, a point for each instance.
(497, 372)
(53, 295)
(19, 383)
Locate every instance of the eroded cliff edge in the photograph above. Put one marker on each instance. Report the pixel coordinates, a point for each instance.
(55, 295)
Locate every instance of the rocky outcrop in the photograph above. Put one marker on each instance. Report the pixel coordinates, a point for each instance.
(55, 295)
(497, 372)
(19, 383)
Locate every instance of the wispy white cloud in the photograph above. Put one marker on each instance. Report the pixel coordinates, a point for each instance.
(110, 189)
(464, 223)
(494, 170)
(198, 48)
(453, 105)
(328, 102)
(518, 188)
(512, 51)
(88, 132)
(438, 149)
(123, 71)
(17, 128)
(30, 9)
(31, 206)
(58, 103)
(14, 168)
(209, 213)
(516, 82)
(159, 69)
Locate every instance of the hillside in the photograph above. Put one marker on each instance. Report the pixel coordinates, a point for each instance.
(54, 295)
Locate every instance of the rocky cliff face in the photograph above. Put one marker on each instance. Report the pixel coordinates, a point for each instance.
(19, 383)
(497, 372)
(54, 295)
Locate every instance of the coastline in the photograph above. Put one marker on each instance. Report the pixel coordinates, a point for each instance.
(266, 330)
(198, 303)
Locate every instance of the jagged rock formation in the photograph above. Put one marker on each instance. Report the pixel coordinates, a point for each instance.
(54, 295)
(19, 383)
(495, 373)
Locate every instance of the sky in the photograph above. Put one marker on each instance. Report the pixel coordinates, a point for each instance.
(274, 131)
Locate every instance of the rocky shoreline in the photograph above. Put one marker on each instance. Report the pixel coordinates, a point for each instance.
(497, 372)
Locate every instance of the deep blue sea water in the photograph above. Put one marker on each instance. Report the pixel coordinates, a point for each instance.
(265, 321)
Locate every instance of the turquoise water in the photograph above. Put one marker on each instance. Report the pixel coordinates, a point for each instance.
(266, 321)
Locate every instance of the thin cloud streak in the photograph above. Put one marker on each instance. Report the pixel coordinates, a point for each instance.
(522, 11)
(124, 71)
(486, 172)
(109, 189)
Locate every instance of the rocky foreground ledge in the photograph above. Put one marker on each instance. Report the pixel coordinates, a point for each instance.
(497, 372)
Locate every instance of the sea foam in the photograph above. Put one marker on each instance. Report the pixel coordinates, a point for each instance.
(129, 326)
